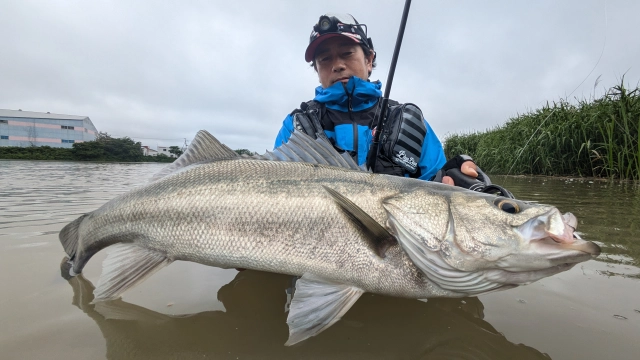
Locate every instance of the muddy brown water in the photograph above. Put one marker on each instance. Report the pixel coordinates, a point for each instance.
(191, 311)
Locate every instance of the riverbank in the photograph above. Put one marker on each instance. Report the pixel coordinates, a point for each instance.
(581, 179)
(63, 154)
(595, 138)
(104, 148)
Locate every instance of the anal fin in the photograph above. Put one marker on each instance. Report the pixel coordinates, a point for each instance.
(125, 266)
(317, 304)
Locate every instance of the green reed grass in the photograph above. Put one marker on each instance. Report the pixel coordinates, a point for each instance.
(596, 137)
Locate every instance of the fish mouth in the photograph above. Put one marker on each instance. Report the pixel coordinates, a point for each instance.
(543, 245)
(554, 235)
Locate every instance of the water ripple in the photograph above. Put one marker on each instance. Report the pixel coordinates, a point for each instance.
(39, 195)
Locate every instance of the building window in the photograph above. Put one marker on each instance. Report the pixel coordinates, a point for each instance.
(4, 137)
(4, 121)
(68, 141)
(66, 127)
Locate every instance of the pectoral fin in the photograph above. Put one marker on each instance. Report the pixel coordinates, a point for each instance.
(317, 304)
(125, 266)
(380, 238)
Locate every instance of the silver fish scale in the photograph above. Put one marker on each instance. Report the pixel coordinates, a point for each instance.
(264, 215)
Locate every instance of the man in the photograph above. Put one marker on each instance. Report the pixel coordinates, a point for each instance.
(346, 102)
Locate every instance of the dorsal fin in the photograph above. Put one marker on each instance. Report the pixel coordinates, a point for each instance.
(204, 147)
(302, 148)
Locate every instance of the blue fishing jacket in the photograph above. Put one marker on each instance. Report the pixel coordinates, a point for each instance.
(359, 98)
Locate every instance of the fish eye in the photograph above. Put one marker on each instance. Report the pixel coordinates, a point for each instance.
(507, 205)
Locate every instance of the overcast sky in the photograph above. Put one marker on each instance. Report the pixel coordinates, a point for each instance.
(159, 71)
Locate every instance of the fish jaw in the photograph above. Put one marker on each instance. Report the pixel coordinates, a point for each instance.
(468, 256)
(549, 240)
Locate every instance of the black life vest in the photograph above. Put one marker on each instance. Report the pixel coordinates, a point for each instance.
(400, 141)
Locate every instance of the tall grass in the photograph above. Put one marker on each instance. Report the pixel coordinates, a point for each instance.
(596, 138)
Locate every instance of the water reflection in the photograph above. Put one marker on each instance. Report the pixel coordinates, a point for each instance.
(254, 326)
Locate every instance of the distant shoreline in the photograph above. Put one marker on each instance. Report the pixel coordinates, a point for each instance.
(91, 161)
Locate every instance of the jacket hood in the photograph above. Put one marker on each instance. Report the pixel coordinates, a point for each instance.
(364, 94)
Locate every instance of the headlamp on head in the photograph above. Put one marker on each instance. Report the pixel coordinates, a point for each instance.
(326, 24)
(333, 23)
(338, 24)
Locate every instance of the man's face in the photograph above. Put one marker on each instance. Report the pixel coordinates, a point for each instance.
(339, 58)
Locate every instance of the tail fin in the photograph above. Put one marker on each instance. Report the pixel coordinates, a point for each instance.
(69, 237)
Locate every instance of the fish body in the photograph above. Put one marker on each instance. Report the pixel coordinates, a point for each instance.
(342, 230)
(268, 216)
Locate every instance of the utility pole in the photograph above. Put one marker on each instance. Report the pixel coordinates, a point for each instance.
(184, 147)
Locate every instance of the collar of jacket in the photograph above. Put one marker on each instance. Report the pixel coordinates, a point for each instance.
(336, 96)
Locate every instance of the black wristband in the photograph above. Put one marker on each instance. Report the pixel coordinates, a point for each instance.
(456, 162)
(453, 169)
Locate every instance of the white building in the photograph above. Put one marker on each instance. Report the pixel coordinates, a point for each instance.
(28, 128)
(165, 150)
(147, 151)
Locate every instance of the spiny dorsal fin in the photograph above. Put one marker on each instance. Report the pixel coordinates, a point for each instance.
(380, 238)
(204, 147)
(302, 148)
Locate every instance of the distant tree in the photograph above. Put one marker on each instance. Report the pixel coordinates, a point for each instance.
(175, 150)
(163, 158)
(103, 148)
(88, 150)
(123, 149)
(35, 153)
(107, 148)
(103, 136)
(32, 134)
(245, 152)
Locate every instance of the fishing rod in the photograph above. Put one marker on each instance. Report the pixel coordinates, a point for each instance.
(381, 115)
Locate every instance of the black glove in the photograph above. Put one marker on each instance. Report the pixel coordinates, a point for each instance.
(482, 183)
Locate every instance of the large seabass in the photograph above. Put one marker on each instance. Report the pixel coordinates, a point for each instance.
(343, 230)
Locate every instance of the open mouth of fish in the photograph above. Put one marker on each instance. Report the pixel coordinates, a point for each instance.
(549, 246)
(555, 237)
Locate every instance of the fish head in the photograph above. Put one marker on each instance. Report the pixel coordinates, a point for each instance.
(514, 235)
(473, 243)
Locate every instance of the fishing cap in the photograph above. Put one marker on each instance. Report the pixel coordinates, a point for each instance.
(332, 25)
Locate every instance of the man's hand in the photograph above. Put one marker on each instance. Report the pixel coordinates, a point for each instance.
(468, 168)
(463, 172)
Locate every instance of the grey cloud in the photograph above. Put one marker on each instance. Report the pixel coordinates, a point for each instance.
(164, 71)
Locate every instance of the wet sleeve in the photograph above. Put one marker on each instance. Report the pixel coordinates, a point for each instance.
(285, 131)
(432, 156)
